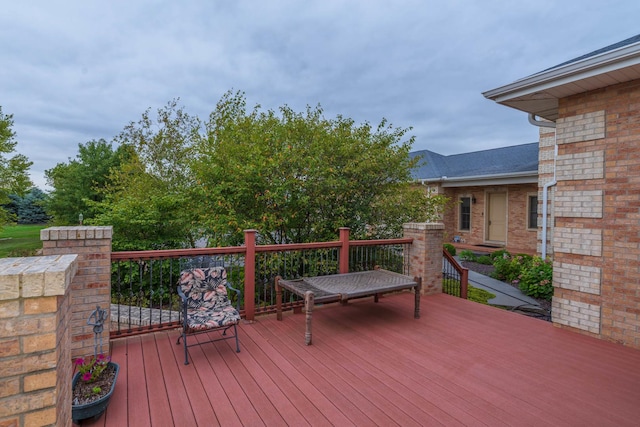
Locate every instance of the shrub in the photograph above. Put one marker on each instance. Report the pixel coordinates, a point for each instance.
(536, 279)
(508, 268)
(467, 255)
(450, 248)
(499, 254)
(484, 259)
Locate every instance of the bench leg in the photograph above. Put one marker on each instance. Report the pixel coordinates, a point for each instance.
(308, 308)
(417, 292)
(278, 299)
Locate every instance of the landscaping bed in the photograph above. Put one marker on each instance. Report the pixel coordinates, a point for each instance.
(486, 270)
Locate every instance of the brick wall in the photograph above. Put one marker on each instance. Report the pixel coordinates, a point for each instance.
(598, 214)
(425, 254)
(519, 237)
(92, 283)
(35, 368)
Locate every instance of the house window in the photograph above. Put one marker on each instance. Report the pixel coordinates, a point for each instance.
(465, 213)
(532, 213)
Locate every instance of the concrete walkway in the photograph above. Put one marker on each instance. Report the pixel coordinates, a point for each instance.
(506, 295)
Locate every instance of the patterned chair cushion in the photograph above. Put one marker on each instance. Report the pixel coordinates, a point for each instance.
(208, 305)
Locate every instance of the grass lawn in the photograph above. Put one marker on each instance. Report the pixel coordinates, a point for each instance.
(479, 295)
(20, 240)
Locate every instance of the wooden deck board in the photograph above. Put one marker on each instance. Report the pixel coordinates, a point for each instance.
(461, 363)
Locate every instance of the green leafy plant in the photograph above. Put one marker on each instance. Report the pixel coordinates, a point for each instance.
(536, 279)
(509, 267)
(499, 254)
(484, 259)
(91, 368)
(450, 248)
(467, 255)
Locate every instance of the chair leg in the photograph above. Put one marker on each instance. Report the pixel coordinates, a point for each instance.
(235, 331)
(186, 353)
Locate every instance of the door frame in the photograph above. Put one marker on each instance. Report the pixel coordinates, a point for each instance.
(487, 215)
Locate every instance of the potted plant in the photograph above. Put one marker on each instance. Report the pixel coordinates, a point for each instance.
(96, 376)
(92, 386)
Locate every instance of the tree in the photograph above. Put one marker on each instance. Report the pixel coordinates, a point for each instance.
(294, 177)
(77, 184)
(148, 200)
(299, 177)
(29, 209)
(14, 177)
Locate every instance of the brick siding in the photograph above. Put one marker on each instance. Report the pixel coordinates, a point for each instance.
(597, 214)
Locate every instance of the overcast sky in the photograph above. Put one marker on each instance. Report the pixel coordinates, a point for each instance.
(72, 71)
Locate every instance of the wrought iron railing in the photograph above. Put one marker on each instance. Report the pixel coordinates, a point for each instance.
(455, 278)
(144, 283)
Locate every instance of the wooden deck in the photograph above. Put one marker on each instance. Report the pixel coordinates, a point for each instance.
(462, 363)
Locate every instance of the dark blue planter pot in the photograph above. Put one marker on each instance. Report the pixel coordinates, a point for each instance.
(95, 408)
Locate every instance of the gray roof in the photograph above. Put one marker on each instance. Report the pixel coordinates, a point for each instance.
(504, 161)
(623, 43)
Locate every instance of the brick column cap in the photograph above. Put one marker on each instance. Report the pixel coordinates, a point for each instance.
(423, 226)
(77, 233)
(36, 276)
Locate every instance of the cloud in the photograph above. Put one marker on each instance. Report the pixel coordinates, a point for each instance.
(75, 71)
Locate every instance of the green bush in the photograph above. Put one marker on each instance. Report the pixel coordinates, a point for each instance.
(450, 248)
(484, 259)
(536, 279)
(509, 267)
(467, 255)
(499, 254)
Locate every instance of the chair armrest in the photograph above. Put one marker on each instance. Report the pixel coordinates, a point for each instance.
(238, 294)
(182, 295)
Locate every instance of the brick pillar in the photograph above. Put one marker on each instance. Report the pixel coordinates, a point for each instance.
(35, 367)
(425, 254)
(92, 283)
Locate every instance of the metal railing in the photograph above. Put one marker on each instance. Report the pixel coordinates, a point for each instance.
(455, 278)
(144, 295)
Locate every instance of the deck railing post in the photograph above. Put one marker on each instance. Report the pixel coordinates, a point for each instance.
(344, 250)
(464, 283)
(250, 274)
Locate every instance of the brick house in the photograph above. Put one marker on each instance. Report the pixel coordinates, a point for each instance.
(588, 110)
(494, 195)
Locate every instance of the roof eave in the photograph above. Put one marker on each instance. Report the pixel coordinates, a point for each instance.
(527, 177)
(538, 85)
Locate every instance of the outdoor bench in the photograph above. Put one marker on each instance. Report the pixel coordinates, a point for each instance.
(342, 287)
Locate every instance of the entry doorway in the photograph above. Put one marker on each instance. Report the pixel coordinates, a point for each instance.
(496, 219)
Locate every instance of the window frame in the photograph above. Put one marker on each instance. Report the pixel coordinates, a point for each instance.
(461, 213)
(529, 211)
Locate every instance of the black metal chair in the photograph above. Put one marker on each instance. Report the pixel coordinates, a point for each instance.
(206, 306)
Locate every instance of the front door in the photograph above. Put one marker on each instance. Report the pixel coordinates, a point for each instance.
(497, 217)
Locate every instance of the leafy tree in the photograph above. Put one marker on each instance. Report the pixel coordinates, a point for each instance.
(77, 184)
(299, 177)
(29, 209)
(148, 199)
(295, 177)
(14, 178)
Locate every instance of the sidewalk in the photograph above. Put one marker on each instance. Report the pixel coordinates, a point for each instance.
(506, 295)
